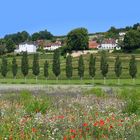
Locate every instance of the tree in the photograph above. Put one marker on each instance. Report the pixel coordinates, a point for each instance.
(133, 68)
(10, 46)
(135, 26)
(104, 66)
(81, 67)
(46, 69)
(4, 67)
(35, 68)
(118, 68)
(77, 39)
(112, 33)
(14, 67)
(69, 68)
(42, 35)
(56, 63)
(2, 47)
(24, 65)
(131, 41)
(92, 68)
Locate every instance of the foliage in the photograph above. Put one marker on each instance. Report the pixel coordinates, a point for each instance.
(112, 33)
(10, 46)
(81, 67)
(96, 91)
(24, 64)
(133, 67)
(14, 67)
(132, 98)
(104, 65)
(69, 68)
(46, 69)
(32, 116)
(118, 67)
(92, 67)
(56, 63)
(131, 40)
(36, 68)
(4, 66)
(41, 35)
(18, 38)
(77, 39)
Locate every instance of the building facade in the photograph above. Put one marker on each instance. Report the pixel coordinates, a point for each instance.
(30, 48)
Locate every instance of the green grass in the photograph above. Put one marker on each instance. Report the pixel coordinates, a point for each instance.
(26, 115)
(111, 75)
(97, 82)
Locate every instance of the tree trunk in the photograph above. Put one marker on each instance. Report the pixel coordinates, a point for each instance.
(36, 79)
(104, 80)
(57, 79)
(69, 81)
(25, 79)
(118, 81)
(134, 82)
(93, 80)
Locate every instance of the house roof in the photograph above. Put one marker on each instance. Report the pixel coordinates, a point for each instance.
(93, 45)
(109, 41)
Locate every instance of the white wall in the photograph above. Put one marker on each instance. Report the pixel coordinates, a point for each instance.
(53, 47)
(30, 48)
(108, 46)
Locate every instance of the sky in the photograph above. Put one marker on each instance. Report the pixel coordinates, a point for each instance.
(61, 16)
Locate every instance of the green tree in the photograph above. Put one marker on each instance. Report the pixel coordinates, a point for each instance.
(133, 68)
(92, 68)
(36, 68)
(10, 46)
(81, 67)
(118, 68)
(56, 63)
(46, 69)
(104, 66)
(14, 67)
(4, 67)
(131, 41)
(24, 65)
(69, 68)
(77, 39)
(112, 33)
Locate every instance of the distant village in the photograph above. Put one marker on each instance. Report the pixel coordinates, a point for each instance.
(93, 47)
(44, 41)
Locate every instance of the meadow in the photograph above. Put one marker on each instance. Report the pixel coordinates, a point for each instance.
(71, 114)
(111, 78)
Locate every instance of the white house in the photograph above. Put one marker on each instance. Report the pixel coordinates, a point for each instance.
(122, 35)
(53, 46)
(30, 48)
(108, 44)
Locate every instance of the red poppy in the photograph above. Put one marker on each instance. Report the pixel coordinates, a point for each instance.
(72, 137)
(65, 138)
(111, 126)
(85, 124)
(34, 130)
(102, 123)
(72, 131)
(61, 117)
(10, 138)
(96, 123)
(120, 124)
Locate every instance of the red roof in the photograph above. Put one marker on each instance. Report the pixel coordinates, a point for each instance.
(109, 41)
(93, 45)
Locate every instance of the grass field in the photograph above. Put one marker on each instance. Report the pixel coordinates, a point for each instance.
(96, 113)
(111, 75)
(97, 82)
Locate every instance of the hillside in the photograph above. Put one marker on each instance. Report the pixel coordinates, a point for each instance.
(111, 75)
